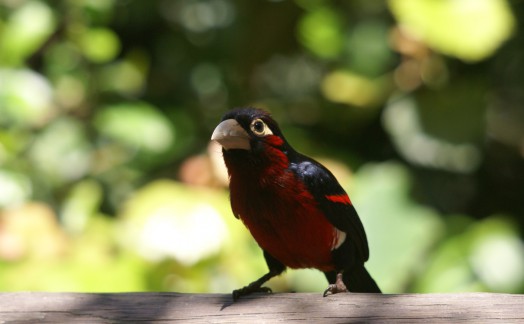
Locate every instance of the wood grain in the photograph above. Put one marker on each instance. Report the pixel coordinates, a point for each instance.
(39, 307)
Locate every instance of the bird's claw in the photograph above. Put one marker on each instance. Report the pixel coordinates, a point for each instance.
(248, 290)
(334, 289)
(337, 287)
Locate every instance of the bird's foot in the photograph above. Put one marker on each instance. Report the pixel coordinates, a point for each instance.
(249, 290)
(337, 287)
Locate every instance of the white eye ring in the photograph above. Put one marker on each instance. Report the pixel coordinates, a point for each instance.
(259, 128)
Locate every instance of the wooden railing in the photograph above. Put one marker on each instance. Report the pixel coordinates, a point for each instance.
(39, 307)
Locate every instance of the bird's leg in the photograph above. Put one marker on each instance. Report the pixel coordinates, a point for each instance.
(255, 286)
(337, 287)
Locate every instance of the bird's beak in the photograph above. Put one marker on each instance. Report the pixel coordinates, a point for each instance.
(231, 135)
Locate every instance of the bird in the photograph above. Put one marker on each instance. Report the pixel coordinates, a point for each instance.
(292, 205)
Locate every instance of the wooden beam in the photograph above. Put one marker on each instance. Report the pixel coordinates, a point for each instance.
(39, 307)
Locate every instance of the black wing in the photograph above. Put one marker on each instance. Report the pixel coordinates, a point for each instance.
(325, 188)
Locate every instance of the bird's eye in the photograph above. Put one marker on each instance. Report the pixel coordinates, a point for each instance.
(259, 128)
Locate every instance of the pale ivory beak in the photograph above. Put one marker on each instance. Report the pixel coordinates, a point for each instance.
(231, 135)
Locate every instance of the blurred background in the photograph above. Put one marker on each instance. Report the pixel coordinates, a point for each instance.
(108, 181)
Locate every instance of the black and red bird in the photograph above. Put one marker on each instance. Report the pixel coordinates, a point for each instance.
(293, 206)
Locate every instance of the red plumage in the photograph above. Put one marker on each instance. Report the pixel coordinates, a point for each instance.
(280, 214)
(292, 205)
(342, 199)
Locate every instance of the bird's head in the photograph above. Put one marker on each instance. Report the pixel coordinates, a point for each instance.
(250, 130)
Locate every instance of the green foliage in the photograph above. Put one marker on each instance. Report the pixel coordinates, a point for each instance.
(24, 31)
(321, 32)
(139, 126)
(471, 259)
(453, 27)
(382, 196)
(99, 45)
(108, 181)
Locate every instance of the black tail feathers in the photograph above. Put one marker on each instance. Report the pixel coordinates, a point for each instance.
(358, 279)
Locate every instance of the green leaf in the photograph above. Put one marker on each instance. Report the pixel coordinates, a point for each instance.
(468, 29)
(321, 32)
(138, 125)
(26, 97)
(62, 152)
(100, 45)
(27, 28)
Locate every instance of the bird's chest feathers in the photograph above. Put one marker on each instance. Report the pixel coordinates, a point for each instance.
(283, 217)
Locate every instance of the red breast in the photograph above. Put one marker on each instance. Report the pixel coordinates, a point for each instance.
(282, 215)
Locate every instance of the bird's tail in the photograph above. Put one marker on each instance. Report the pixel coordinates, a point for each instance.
(358, 279)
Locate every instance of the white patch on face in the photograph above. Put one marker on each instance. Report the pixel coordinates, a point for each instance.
(340, 237)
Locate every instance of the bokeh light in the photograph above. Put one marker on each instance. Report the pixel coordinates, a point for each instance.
(108, 181)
